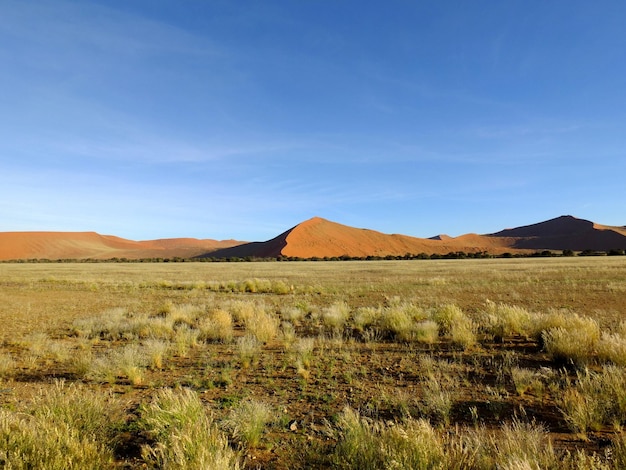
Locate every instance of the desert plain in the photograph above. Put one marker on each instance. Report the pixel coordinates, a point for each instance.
(485, 363)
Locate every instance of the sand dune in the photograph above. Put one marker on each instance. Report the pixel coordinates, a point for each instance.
(566, 233)
(320, 237)
(83, 245)
(317, 237)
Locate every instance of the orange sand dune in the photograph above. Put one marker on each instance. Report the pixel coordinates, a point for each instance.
(83, 245)
(319, 238)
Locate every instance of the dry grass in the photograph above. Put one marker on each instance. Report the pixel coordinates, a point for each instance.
(447, 352)
(185, 434)
(66, 427)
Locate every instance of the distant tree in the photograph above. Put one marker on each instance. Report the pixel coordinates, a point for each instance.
(615, 252)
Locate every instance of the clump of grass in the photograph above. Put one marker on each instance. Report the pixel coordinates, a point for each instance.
(523, 445)
(242, 310)
(185, 338)
(281, 288)
(249, 348)
(503, 320)
(127, 362)
(368, 445)
(67, 427)
(426, 332)
(293, 315)
(287, 334)
(118, 324)
(37, 343)
(262, 325)
(334, 317)
(440, 389)
(81, 363)
(612, 348)
(598, 398)
(303, 349)
(454, 324)
(184, 432)
(447, 316)
(247, 422)
(575, 343)
(217, 326)
(185, 315)
(526, 380)
(7, 365)
(156, 350)
(366, 317)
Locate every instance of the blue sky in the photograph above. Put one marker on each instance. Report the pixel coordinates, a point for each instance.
(239, 119)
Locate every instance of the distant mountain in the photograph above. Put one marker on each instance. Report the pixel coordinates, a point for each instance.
(319, 238)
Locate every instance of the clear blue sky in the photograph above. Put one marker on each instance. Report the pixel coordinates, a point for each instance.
(239, 119)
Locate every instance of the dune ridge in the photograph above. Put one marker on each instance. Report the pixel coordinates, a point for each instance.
(91, 245)
(317, 238)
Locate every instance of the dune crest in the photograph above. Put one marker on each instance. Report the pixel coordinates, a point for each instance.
(318, 238)
(91, 245)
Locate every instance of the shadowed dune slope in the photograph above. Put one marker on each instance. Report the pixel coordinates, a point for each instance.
(566, 233)
(84, 245)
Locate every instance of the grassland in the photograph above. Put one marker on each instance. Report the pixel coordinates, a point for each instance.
(510, 363)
